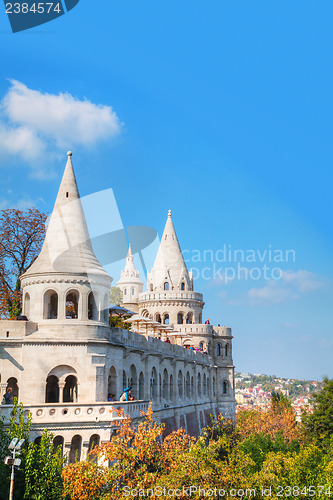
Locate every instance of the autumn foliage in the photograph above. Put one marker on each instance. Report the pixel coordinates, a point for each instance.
(266, 449)
(21, 238)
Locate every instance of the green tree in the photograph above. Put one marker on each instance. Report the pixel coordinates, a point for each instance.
(116, 295)
(319, 423)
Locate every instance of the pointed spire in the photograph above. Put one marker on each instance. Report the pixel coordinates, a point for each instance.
(67, 247)
(169, 265)
(129, 274)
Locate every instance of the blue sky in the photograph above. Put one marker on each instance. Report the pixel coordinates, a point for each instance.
(222, 112)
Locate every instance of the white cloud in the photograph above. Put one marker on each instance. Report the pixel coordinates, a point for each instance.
(290, 287)
(303, 281)
(34, 123)
(271, 293)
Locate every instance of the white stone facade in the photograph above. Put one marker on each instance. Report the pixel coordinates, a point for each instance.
(65, 360)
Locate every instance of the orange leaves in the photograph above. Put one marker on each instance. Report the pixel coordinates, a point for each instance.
(84, 481)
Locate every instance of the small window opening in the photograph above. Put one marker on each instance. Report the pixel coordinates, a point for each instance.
(7, 334)
(67, 194)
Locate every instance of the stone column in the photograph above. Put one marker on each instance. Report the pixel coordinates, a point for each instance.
(61, 305)
(61, 386)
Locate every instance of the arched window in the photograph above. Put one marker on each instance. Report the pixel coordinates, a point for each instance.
(132, 291)
(188, 385)
(12, 383)
(189, 318)
(58, 441)
(92, 306)
(125, 291)
(204, 385)
(75, 450)
(112, 382)
(225, 387)
(180, 384)
(201, 345)
(52, 389)
(171, 387)
(93, 441)
(72, 303)
(27, 305)
(166, 319)
(165, 384)
(182, 286)
(192, 387)
(218, 349)
(50, 309)
(151, 287)
(226, 350)
(166, 286)
(158, 318)
(199, 385)
(38, 440)
(154, 384)
(134, 381)
(141, 386)
(70, 389)
(160, 388)
(180, 318)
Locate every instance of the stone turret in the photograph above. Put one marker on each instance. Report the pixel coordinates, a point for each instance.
(66, 281)
(170, 297)
(130, 283)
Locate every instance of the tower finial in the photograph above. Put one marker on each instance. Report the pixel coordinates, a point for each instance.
(169, 213)
(69, 153)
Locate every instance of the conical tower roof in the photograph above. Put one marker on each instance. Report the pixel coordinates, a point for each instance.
(129, 274)
(67, 247)
(169, 264)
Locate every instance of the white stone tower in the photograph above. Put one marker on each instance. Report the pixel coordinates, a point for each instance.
(130, 283)
(66, 281)
(170, 298)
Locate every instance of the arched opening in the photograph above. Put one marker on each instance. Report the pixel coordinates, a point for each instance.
(132, 292)
(199, 385)
(208, 386)
(134, 382)
(50, 309)
(151, 287)
(182, 286)
(92, 306)
(189, 318)
(75, 449)
(52, 389)
(145, 313)
(165, 384)
(225, 387)
(188, 385)
(218, 349)
(27, 305)
(166, 286)
(125, 291)
(154, 385)
(72, 304)
(200, 319)
(226, 350)
(70, 389)
(160, 388)
(124, 380)
(158, 318)
(58, 441)
(180, 384)
(93, 441)
(141, 386)
(171, 387)
(112, 383)
(204, 385)
(166, 319)
(38, 440)
(201, 346)
(180, 318)
(192, 387)
(12, 383)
